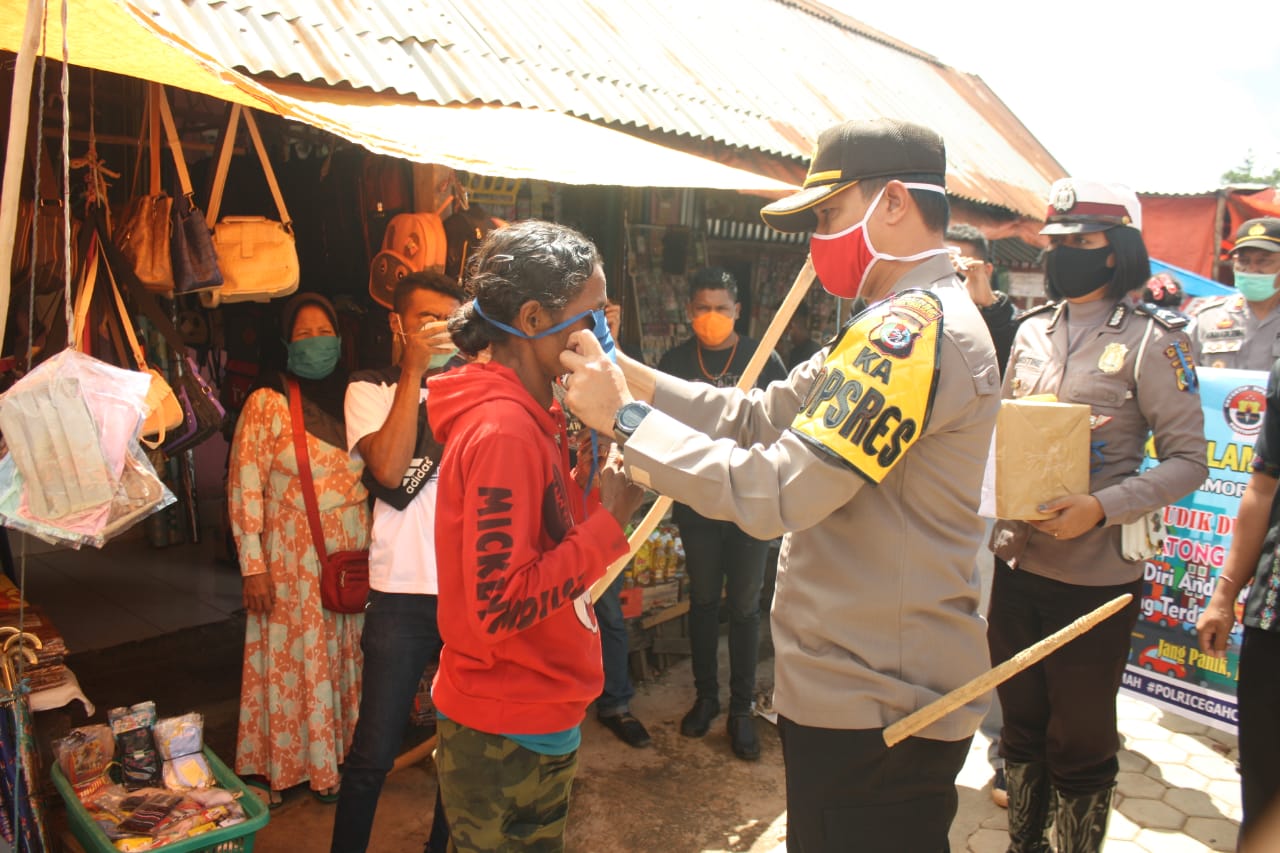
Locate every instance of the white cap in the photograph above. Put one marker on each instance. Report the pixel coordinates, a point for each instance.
(1078, 205)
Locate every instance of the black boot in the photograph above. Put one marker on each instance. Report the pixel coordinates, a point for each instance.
(1030, 807)
(1082, 820)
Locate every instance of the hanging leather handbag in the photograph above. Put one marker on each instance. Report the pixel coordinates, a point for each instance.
(144, 231)
(163, 410)
(193, 258)
(257, 256)
(344, 575)
(45, 216)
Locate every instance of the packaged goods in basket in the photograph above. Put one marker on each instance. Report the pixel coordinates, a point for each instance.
(162, 790)
(222, 817)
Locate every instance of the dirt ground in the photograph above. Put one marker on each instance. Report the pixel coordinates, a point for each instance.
(675, 796)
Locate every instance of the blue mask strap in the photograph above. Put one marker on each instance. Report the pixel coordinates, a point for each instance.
(519, 334)
(600, 329)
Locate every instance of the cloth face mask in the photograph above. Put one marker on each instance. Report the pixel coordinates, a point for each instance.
(1256, 286)
(713, 328)
(1077, 272)
(314, 358)
(843, 260)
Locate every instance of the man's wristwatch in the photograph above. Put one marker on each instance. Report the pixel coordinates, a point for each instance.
(628, 419)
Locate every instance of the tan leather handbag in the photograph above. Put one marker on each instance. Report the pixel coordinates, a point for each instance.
(257, 256)
(164, 411)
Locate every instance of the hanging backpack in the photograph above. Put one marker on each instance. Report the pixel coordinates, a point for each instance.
(413, 242)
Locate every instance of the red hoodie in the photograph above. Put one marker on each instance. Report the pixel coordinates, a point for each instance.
(515, 560)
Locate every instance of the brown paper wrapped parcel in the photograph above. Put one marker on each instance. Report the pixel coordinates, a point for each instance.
(1040, 451)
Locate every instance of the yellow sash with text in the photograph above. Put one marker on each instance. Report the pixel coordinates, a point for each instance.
(871, 400)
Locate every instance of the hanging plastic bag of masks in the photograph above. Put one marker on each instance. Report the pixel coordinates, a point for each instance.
(73, 472)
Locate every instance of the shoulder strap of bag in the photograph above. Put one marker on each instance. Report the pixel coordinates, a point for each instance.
(141, 297)
(85, 297)
(304, 469)
(175, 143)
(153, 131)
(224, 163)
(252, 124)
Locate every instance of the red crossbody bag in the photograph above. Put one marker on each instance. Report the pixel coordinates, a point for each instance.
(344, 576)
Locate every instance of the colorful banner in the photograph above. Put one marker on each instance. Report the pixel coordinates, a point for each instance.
(1165, 664)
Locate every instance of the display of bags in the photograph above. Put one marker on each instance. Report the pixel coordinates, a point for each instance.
(413, 242)
(344, 575)
(202, 414)
(257, 256)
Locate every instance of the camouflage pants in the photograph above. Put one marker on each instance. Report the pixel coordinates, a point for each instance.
(499, 796)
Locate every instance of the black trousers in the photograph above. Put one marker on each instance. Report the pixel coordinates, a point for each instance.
(1258, 698)
(1062, 711)
(847, 791)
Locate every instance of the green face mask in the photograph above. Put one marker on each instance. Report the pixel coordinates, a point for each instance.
(314, 358)
(440, 359)
(1256, 286)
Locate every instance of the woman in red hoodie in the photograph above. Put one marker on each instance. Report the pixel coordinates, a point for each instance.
(518, 544)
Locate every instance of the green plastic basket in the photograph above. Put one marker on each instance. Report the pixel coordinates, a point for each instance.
(228, 839)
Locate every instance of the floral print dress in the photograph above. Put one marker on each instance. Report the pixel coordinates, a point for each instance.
(300, 688)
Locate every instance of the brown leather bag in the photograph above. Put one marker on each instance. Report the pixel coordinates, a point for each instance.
(143, 233)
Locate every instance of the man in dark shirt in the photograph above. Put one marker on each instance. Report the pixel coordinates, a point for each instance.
(972, 257)
(717, 551)
(800, 338)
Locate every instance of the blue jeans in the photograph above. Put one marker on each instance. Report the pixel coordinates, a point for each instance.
(616, 697)
(400, 639)
(718, 553)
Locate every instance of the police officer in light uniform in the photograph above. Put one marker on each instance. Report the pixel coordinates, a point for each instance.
(1243, 330)
(1131, 364)
(869, 457)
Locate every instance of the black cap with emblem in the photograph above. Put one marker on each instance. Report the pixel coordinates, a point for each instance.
(857, 151)
(1259, 234)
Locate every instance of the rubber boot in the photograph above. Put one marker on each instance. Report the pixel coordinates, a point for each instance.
(1082, 820)
(1030, 807)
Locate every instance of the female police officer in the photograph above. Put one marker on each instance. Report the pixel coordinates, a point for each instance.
(1131, 365)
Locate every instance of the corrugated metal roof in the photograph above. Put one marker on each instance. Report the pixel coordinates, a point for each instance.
(766, 75)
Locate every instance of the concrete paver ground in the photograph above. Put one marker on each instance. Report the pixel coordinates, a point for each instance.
(1178, 790)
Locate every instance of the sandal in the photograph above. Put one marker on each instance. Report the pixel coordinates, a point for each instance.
(262, 789)
(328, 795)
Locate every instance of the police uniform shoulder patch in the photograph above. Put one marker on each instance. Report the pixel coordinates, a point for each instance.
(871, 400)
(1165, 318)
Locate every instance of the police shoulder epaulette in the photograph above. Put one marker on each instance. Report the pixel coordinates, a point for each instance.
(1171, 320)
(1210, 302)
(1039, 309)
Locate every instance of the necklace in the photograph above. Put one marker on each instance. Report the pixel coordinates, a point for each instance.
(727, 361)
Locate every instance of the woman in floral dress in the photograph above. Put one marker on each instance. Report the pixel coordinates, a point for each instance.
(301, 680)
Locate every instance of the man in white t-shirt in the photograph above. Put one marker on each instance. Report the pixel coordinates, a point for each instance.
(387, 427)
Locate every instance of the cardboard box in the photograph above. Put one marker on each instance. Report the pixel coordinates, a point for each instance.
(1040, 451)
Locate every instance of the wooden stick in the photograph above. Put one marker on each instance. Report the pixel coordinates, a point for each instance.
(799, 288)
(15, 152)
(413, 755)
(966, 693)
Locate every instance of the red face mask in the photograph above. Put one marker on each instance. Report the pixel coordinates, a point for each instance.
(843, 260)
